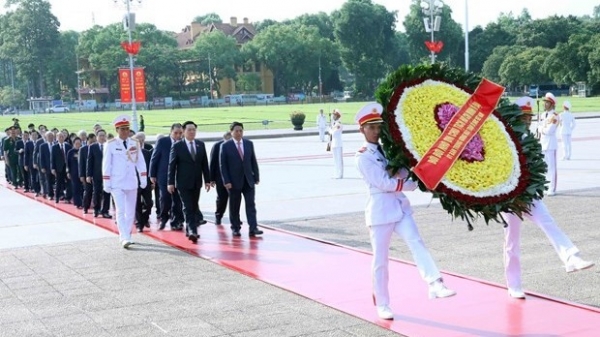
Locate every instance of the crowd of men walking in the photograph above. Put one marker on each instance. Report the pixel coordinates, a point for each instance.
(72, 168)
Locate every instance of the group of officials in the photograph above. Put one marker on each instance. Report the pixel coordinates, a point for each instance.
(91, 170)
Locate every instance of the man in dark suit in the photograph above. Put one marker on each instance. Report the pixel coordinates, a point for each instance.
(94, 176)
(21, 144)
(188, 165)
(58, 165)
(82, 166)
(239, 171)
(45, 164)
(144, 204)
(36, 161)
(28, 164)
(216, 180)
(170, 205)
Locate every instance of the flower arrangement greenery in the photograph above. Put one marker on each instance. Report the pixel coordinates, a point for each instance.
(502, 168)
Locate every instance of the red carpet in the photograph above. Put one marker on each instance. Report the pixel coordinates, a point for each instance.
(339, 277)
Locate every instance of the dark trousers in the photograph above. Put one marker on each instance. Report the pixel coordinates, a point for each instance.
(189, 199)
(26, 178)
(170, 206)
(77, 188)
(63, 186)
(50, 181)
(34, 178)
(13, 170)
(222, 198)
(7, 173)
(87, 195)
(157, 200)
(235, 201)
(101, 198)
(143, 207)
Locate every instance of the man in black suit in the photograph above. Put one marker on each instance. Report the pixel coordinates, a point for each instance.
(58, 165)
(82, 165)
(28, 164)
(144, 204)
(21, 144)
(36, 161)
(239, 171)
(216, 180)
(45, 165)
(170, 205)
(94, 176)
(188, 165)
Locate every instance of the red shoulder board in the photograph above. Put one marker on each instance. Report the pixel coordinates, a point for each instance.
(362, 149)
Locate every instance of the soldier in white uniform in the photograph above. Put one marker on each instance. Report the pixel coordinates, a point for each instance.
(388, 211)
(539, 215)
(547, 130)
(321, 125)
(337, 146)
(122, 165)
(567, 124)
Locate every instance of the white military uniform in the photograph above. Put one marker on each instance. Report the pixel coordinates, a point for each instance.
(337, 149)
(512, 241)
(322, 126)
(567, 124)
(388, 211)
(122, 164)
(547, 130)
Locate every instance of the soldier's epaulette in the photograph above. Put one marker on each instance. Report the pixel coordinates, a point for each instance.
(111, 140)
(362, 149)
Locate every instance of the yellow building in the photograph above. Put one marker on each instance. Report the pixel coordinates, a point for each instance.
(242, 32)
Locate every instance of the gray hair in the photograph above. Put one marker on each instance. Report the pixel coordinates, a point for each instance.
(141, 136)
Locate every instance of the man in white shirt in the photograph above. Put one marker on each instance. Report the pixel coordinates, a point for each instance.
(337, 146)
(547, 131)
(567, 124)
(321, 125)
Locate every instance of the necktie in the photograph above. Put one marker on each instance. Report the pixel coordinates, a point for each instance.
(101, 149)
(193, 150)
(380, 149)
(239, 147)
(125, 144)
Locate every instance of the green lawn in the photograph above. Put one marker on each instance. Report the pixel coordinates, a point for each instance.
(218, 119)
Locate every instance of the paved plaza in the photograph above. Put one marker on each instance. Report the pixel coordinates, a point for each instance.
(60, 276)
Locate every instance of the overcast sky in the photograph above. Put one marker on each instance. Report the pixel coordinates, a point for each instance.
(174, 15)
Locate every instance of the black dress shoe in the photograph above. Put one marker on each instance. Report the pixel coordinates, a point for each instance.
(106, 216)
(236, 233)
(147, 224)
(255, 232)
(85, 211)
(201, 222)
(162, 225)
(140, 229)
(193, 237)
(217, 221)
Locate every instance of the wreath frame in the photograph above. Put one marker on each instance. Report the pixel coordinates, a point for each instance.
(533, 167)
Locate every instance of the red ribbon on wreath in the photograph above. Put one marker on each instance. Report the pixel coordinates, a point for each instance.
(132, 48)
(434, 46)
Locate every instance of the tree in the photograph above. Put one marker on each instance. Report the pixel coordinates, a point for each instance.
(568, 62)
(322, 21)
(525, 67)
(491, 66)
(62, 72)
(10, 97)
(450, 33)
(365, 34)
(549, 32)
(483, 41)
(224, 56)
(30, 37)
(207, 19)
(262, 25)
(248, 83)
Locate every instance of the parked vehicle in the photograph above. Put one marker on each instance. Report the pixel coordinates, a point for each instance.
(58, 108)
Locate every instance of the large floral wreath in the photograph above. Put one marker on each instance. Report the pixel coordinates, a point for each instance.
(502, 168)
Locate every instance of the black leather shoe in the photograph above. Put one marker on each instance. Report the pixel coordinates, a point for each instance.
(255, 232)
(236, 233)
(147, 224)
(201, 222)
(106, 216)
(140, 229)
(193, 237)
(217, 221)
(162, 225)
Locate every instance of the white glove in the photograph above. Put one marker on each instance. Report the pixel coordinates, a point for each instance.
(409, 185)
(107, 189)
(143, 182)
(402, 174)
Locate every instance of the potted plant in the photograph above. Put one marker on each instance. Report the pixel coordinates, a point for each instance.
(297, 118)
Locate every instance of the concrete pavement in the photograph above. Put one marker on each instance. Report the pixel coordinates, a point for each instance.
(67, 278)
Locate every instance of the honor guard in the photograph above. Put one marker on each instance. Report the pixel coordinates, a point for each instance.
(122, 164)
(547, 131)
(388, 211)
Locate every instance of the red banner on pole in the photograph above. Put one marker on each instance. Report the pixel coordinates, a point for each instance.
(139, 84)
(125, 84)
(462, 128)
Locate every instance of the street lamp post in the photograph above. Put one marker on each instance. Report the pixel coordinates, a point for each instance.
(432, 21)
(466, 35)
(320, 82)
(129, 24)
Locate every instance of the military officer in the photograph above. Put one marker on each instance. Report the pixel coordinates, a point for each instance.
(337, 146)
(122, 165)
(539, 215)
(547, 131)
(11, 156)
(567, 124)
(321, 125)
(388, 211)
